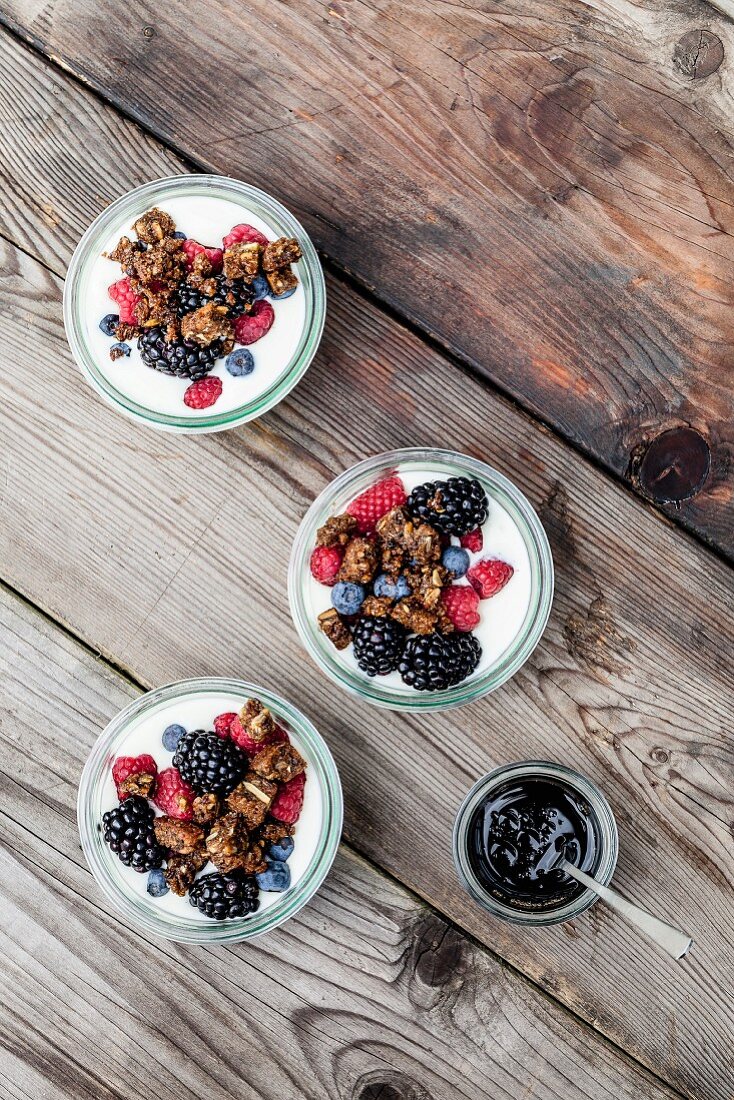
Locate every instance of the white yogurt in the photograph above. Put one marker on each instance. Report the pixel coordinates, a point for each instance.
(199, 713)
(501, 616)
(207, 220)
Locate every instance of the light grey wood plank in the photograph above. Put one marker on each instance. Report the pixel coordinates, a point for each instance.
(366, 993)
(542, 188)
(116, 532)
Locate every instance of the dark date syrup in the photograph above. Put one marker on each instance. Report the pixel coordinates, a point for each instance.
(518, 835)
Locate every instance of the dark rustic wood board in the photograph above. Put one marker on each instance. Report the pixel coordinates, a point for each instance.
(367, 994)
(141, 525)
(546, 189)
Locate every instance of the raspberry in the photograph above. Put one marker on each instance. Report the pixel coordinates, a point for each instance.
(461, 603)
(489, 576)
(241, 737)
(193, 248)
(126, 298)
(473, 541)
(202, 394)
(173, 796)
(125, 766)
(252, 326)
(222, 723)
(288, 802)
(325, 563)
(375, 502)
(244, 233)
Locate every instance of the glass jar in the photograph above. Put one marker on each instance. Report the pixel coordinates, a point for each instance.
(435, 464)
(82, 288)
(125, 889)
(603, 824)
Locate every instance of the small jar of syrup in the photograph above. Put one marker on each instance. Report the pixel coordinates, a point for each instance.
(515, 828)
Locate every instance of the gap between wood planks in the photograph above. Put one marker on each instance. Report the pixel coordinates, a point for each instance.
(449, 925)
(364, 290)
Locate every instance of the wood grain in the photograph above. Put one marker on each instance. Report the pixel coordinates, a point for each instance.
(151, 549)
(366, 994)
(542, 189)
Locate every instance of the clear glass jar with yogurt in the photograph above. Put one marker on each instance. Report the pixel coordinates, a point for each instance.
(205, 208)
(512, 621)
(194, 704)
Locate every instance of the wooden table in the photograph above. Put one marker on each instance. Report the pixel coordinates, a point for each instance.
(526, 216)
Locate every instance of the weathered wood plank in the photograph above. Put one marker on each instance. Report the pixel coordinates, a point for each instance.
(367, 993)
(543, 189)
(142, 524)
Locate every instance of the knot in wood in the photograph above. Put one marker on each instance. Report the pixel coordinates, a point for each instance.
(698, 54)
(675, 466)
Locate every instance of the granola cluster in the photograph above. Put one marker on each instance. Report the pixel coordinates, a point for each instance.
(242, 833)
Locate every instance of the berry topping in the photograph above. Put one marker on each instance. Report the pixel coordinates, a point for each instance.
(247, 742)
(109, 323)
(253, 326)
(223, 722)
(126, 766)
(126, 298)
(204, 393)
(398, 590)
(171, 737)
(461, 603)
(260, 287)
(157, 885)
(119, 349)
(434, 662)
(209, 763)
(288, 802)
(325, 563)
(240, 363)
(473, 540)
(128, 830)
(453, 507)
(455, 560)
(193, 248)
(246, 233)
(276, 879)
(347, 597)
(176, 357)
(376, 502)
(378, 644)
(174, 796)
(222, 896)
(489, 576)
(282, 850)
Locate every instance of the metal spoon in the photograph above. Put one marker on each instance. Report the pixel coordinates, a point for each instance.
(676, 943)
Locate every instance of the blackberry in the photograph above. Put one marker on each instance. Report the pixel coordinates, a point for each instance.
(434, 662)
(187, 298)
(453, 507)
(208, 763)
(378, 644)
(236, 294)
(128, 830)
(221, 896)
(176, 357)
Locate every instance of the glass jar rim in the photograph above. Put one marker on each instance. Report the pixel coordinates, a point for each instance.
(258, 201)
(607, 836)
(322, 768)
(348, 484)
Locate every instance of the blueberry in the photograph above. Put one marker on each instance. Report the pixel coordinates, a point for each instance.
(456, 560)
(285, 294)
(240, 362)
(383, 586)
(279, 852)
(124, 349)
(276, 879)
(171, 737)
(179, 236)
(109, 323)
(157, 885)
(347, 597)
(261, 287)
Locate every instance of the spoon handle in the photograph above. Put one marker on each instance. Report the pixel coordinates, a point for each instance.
(671, 939)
